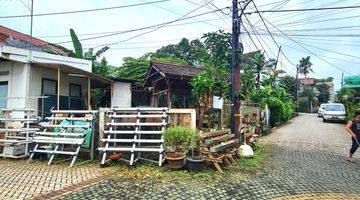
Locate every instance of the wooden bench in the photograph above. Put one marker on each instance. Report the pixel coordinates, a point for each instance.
(218, 147)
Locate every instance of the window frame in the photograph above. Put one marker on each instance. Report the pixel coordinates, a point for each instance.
(74, 84)
(51, 80)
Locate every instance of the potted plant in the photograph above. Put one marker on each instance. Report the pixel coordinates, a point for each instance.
(193, 161)
(177, 140)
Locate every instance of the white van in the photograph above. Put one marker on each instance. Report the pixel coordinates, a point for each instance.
(334, 112)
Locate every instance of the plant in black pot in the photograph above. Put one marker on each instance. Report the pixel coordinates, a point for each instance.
(177, 141)
(193, 161)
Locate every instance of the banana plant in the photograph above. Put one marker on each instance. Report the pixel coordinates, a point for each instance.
(79, 52)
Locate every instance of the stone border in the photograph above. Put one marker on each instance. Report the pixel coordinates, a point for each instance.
(56, 193)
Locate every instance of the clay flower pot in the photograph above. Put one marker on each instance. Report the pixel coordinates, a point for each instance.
(175, 160)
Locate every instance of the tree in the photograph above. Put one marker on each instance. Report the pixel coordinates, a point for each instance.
(305, 67)
(324, 93)
(290, 85)
(259, 63)
(207, 84)
(134, 69)
(189, 51)
(218, 45)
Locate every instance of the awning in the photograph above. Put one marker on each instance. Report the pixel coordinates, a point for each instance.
(96, 80)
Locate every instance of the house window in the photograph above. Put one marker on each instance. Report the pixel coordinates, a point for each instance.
(49, 87)
(75, 90)
(3, 94)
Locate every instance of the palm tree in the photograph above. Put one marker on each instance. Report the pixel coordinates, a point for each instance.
(305, 67)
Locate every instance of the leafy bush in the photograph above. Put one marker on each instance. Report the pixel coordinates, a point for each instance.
(180, 138)
(279, 112)
(350, 110)
(276, 109)
(287, 112)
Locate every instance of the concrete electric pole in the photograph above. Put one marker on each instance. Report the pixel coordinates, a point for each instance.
(235, 65)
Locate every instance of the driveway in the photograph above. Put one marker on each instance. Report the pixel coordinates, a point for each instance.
(306, 161)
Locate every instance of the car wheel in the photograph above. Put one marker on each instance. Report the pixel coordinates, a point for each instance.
(324, 120)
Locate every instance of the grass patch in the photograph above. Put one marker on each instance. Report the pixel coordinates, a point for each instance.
(253, 164)
(151, 171)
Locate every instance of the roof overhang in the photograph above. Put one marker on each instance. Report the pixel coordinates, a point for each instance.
(27, 56)
(71, 66)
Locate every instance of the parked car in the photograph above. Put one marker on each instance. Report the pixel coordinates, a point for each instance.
(334, 112)
(321, 109)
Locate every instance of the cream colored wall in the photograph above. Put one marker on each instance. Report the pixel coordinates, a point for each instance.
(16, 83)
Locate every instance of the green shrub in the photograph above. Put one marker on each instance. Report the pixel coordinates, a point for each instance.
(180, 138)
(287, 112)
(350, 109)
(276, 108)
(279, 112)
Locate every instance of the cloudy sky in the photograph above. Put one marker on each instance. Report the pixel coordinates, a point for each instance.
(330, 37)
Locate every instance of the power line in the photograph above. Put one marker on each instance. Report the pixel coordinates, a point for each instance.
(256, 35)
(144, 28)
(303, 9)
(287, 16)
(177, 13)
(82, 11)
(296, 23)
(302, 46)
(120, 32)
(156, 28)
(328, 50)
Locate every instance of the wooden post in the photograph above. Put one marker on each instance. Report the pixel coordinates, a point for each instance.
(89, 93)
(58, 88)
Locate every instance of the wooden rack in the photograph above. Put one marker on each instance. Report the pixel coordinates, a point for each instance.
(125, 133)
(63, 136)
(218, 147)
(17, 132)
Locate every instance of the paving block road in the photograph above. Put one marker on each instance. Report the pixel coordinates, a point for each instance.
(307, 161)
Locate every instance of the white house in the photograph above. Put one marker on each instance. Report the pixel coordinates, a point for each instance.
(32, 78)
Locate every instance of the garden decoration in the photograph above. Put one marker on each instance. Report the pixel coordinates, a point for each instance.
(245, 150)
(17, 132)
(135, 132)
(218, 146)
(67, 132)
(178, 140)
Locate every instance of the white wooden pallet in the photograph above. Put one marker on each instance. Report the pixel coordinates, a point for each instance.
(20, 134)
(126, 137)
(56, 141)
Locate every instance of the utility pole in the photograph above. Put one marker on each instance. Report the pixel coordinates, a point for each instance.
(235, 67)
(277, 57)
(342, 79)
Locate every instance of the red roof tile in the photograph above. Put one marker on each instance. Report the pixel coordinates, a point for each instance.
(307, 81)
(26, 38)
